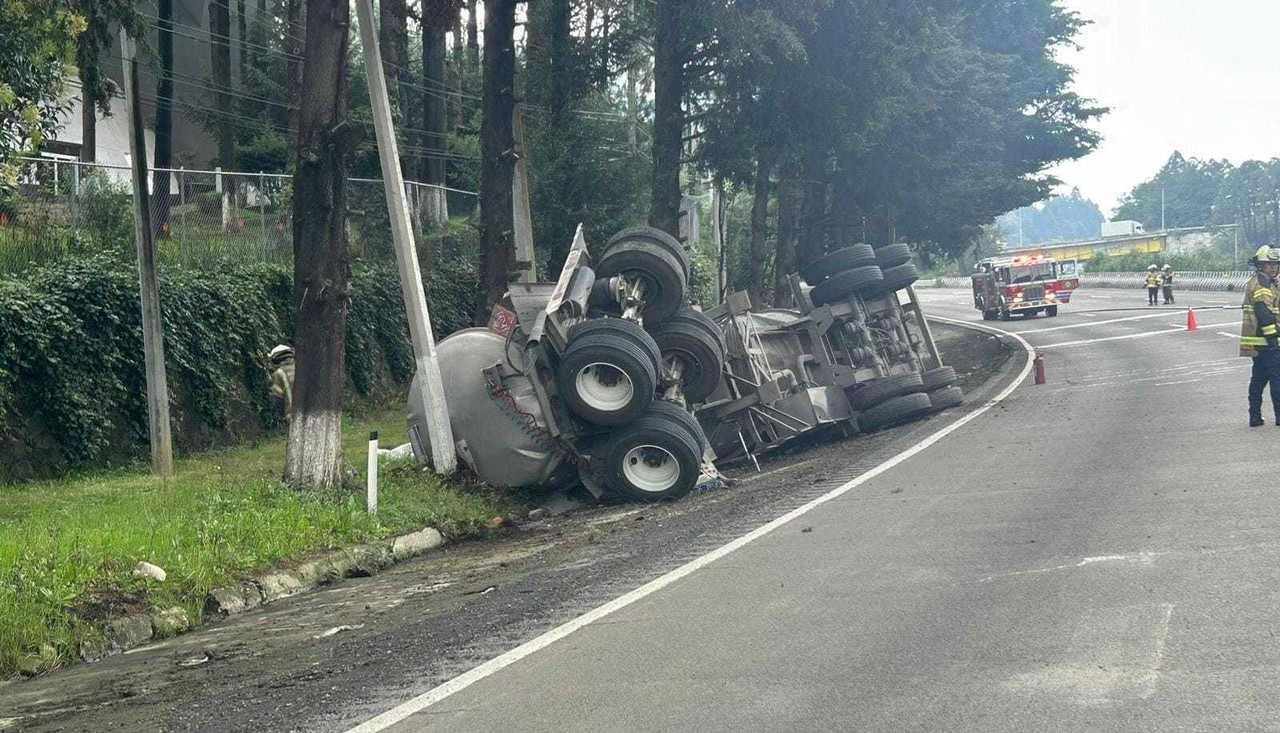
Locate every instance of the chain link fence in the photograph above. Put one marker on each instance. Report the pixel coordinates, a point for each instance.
(62, 208)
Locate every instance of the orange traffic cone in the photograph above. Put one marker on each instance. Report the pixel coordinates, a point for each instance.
(1191, 320)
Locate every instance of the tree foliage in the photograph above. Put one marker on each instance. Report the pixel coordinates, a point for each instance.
(36, 46)
(1070, 218)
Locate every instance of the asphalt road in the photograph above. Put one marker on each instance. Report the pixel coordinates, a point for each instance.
(1096, 553)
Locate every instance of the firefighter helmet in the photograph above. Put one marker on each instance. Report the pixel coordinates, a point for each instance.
(1152, 267)
(1266, 253)
(1168, 268)
(280, 353)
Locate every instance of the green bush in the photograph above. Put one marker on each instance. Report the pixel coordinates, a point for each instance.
(72, 384)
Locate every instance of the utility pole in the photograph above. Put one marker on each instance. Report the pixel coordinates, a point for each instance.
(443, 456)
(152, 318)
(1162, 227)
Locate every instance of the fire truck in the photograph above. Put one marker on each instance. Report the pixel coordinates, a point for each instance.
(1024, 284)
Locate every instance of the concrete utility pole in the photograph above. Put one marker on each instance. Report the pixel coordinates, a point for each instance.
(526, 260)
(443, 457)
(152, 319)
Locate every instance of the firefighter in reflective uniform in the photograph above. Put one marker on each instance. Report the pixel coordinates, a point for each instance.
(1258, 333)
(1166, 284)
(1153, 284)
(280, 364)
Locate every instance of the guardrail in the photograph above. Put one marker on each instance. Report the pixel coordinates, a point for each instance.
(1204, 281)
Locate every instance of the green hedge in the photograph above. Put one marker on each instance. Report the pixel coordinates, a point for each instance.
(72, 384)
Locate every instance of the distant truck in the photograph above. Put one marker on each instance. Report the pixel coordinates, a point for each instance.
(1124, 228)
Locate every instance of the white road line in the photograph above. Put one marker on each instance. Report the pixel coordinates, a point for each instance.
(466, 679)
(1144, 334)
(1181, 381)
(1097, 323)
(1229, 335)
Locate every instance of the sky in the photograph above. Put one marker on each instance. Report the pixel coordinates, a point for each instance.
(1199, 76)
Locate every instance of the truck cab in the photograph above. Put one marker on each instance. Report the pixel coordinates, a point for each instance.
(1026, 285)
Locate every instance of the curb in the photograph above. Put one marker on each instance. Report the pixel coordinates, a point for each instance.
(133, 631)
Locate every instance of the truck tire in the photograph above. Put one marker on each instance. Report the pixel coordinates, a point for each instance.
(663, 275)
(652, 459)
(702, 321)
(655, 236)
(843, 284)
(858, 255)
(700, 353)
(606, 379)
(1051, 311)
(680, 415)
(1005, 315)
(876, 391)
(624, 328)
(892, 255)
(900, 276)
(895, 411)
(946, 398)
(943, 376)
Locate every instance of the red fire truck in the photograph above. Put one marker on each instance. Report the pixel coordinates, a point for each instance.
(1026, 284)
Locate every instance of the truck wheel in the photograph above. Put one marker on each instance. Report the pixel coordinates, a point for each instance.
(900, 276)
(892, 255)
(876, 391)
(895, 411)
(702, 321)
(1005, 315)
(653, 235)
(699, 352)
(622, 327)
(946, 398)
(653, 459)
(858, 255)
(606, 379)
(943, 376)
(843, 284)
(1051, 311)
(990, 315)
(661, 272)
(681, 416)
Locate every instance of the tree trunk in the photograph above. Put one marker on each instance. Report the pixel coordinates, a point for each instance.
(242, 27)
(293, 68)
(435, 24)
(668, 122)
(220, 58)
(497, 161)
(164, 121)
(633, 105)
(473, 35)
(813, 211)
(589, 21)
(457, 70)
(759, 232)
(559, 29)
(784, 262)
(88, 128)
(313, 459)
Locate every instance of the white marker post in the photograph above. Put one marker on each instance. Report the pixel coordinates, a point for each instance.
(371, 492)
(443, 457)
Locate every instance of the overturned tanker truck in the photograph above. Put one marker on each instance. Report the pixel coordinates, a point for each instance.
(608, 378)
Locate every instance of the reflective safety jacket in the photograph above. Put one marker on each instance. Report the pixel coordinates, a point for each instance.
(1166, 279)
(1261, 306)
(1153, 280)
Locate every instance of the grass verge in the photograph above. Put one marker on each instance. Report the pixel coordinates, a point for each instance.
(68, 547)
